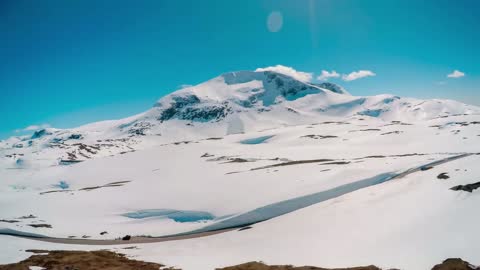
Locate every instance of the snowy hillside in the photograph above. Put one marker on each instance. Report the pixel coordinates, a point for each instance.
(232, 103)
(358, 179)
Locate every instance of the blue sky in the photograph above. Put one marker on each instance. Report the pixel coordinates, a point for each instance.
(66, 63)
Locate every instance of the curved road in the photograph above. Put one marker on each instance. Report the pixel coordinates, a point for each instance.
(255, 216)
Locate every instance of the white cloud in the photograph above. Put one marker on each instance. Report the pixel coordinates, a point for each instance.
(33, 128)
(326, 75)
(299, 75)
(456, 74)
(357, 75)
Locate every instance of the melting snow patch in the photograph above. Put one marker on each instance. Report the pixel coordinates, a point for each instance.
(372, 113)
(62, 185)
(20, 162)
(176, 215)
(257, 140)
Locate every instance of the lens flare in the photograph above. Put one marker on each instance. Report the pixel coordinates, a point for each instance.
(275, 21)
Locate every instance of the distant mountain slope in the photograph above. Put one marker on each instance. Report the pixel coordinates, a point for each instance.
(231, 103)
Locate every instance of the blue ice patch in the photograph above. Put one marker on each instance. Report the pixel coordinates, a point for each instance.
(62, 185)
(371, 113)
(257, 140)
(175, 215)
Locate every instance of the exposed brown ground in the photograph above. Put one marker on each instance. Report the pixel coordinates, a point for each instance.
(454, 264)
(108, 260)
(261, 266)
(80, 260)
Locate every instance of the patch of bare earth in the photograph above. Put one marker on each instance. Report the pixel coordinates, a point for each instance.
(80, 260)
(455, 264)
(108, 260)
(262, 266)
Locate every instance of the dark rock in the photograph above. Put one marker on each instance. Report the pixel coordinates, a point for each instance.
(36, 251)
(75, 137)
(245, 228)
(443, 176)
(392, 132)
(237, 160)
(262, 266)
(18, 145)
(195, 113)
(83, 260)
(374, 156)
(27, 217)
(40, 226)
(40, 133)
(68, 162)
(207, 113)
(214, 138)
(140, 129)
(293, 162)
(336, 163)
(126, 238)
(178, 102)
(468, 187)
(313, 136)
(332, 87)
(9, 220)
(454, 264)
(167, 114)
(182, 142)
(292, 110)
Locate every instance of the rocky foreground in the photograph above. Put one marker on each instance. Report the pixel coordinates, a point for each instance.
(108, 260)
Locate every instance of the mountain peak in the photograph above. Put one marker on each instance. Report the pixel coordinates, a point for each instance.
(249, 88)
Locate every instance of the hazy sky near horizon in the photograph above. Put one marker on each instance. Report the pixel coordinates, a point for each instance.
(66, 63)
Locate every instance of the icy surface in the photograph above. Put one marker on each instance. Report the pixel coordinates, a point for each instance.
(176, 215)
(257, 140)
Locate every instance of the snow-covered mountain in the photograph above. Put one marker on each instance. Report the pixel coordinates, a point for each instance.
(231, 103)
(310, 168)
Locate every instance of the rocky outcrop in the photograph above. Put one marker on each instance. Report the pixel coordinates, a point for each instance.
(262, 266)
(40, 133)
(455, 264)
(467, 187)
(204, 113)
(61, 260)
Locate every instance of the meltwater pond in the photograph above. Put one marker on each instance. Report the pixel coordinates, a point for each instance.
(176, 215)
(257, 140)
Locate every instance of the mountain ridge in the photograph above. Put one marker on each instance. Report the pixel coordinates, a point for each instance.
(234, 102)
(247, 89)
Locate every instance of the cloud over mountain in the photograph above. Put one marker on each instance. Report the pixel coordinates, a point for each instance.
(456, 74)
(289, 71)
(355, 75)
(325, 75)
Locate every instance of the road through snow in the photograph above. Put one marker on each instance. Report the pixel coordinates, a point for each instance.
(255, 216)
